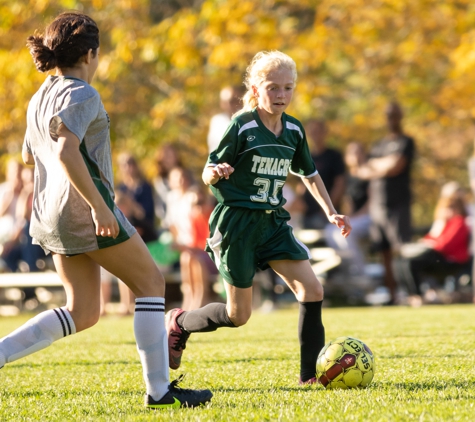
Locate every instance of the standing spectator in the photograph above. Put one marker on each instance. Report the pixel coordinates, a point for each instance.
(229, 101)
(389, 171)
(331, 168)
(356, 205)
(166, 159)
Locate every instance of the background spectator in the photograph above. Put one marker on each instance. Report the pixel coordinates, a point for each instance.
(196, 267)
(389, 171)
(9, 194)
(356, 205)
(188, 210)
(166, 159)
(132, 181)
(443, 249)
(179, 203)
(19, 253)
(471, 175)
(134, 197)
(230, 101)
(330, 166)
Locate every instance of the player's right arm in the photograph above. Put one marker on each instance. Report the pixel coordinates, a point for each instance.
(212, 173)
(318, 190)
(73, 165)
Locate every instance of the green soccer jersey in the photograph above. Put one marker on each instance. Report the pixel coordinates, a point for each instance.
(261, 161)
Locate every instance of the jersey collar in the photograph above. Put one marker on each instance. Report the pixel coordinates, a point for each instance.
(263, 127)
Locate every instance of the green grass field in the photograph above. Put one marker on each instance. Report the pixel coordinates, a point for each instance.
(425, 371)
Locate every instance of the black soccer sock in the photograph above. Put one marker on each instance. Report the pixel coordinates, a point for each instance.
(311, 337)
(208, 318)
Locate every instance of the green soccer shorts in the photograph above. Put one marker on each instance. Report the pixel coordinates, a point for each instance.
(243, 240)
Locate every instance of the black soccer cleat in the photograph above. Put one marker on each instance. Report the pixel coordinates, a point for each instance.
(179, 397)
(166, 402)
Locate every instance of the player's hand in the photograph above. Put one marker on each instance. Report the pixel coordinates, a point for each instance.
(105, 222)
(342, 222)
(223, 170)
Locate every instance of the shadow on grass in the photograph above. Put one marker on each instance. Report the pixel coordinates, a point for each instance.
(431, 385)
(417, 356)
(71, 363)
(249, 360)
(71, 393)
(272, 390)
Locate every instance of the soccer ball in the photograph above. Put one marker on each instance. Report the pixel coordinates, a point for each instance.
(345, 362)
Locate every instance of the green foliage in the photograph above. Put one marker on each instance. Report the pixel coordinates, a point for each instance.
(159, 79)
(424, 371)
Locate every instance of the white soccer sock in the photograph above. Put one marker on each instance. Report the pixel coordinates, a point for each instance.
(36, 334)
(152, 344)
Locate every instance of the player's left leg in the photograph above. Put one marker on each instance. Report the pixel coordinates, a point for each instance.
(181, 324)
(300, 278)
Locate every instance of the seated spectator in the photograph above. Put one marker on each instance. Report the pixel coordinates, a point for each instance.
(145, 228)
(445, 247)
(355, 200)
(18, 249)
(196, 266)
(9, 192)
(133, 181)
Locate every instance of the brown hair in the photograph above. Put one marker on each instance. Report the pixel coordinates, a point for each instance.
(68, 38)
(455, 203)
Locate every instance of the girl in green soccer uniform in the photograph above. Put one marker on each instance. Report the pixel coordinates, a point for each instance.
(74, 215)
(249, 228)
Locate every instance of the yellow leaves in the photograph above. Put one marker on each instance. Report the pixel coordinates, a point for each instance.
(125, 42)
(171, 106)
(463, 57)
(238, 27)
(225, 54)
(185, 58)
(352, 57)
(40, 5)
(66, 4)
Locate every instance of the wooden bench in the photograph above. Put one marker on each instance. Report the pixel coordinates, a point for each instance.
(39, 279)
(51, 279)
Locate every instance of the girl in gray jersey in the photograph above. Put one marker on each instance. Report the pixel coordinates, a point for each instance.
(249, 227)
(74, 216)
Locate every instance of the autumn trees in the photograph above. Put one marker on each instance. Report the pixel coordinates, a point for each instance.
(162, 68)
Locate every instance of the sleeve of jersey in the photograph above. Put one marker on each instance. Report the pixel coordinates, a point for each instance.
(77, 113)
(227, 150)
(302, 164)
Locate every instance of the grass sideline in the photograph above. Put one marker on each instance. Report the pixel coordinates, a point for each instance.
(425, 371)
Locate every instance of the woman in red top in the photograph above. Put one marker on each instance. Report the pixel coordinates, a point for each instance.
(446, 244)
